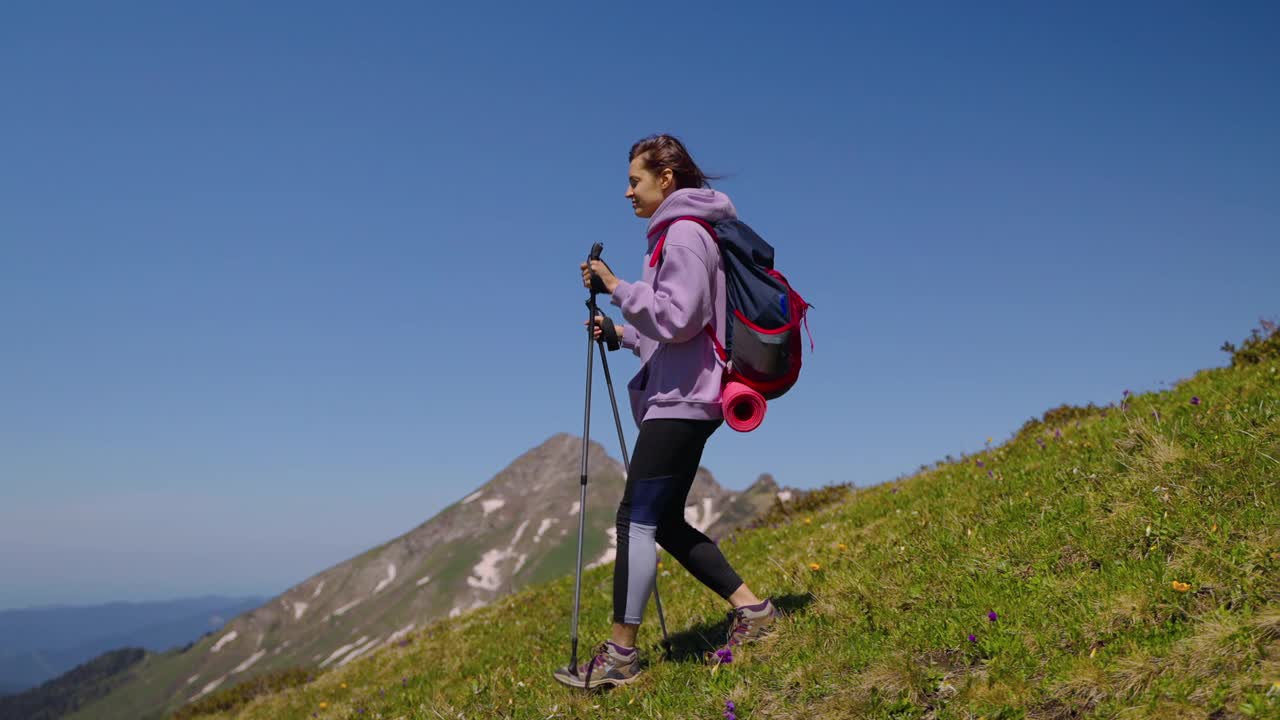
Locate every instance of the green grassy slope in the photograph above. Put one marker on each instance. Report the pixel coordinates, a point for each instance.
(1130, 556)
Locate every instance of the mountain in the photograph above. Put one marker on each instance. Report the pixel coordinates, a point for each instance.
(42, 643)
(516, 530)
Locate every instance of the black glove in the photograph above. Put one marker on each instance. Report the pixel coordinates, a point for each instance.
(608, 332)
(597, 285)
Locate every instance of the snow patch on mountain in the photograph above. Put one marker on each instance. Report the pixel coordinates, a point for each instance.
(610, 553)
(343, 650)
(701, 520)
(357, 652)
(542, 527)
(391, 576)
(225, 639)
(348, 606)
(248, 663)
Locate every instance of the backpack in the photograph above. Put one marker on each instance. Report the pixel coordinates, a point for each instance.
(763, 313)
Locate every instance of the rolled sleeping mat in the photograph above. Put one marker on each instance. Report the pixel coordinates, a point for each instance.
(743, 407)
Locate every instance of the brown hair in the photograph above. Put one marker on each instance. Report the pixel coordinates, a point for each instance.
(666, 151)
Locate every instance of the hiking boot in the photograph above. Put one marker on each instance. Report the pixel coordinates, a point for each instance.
(747, 624)
(613, 665)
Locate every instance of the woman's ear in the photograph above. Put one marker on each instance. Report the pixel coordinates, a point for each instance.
(667, 179)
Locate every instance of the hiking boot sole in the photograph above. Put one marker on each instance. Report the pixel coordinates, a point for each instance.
(596, 684)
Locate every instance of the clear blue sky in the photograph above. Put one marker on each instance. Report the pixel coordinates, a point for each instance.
(278, 284)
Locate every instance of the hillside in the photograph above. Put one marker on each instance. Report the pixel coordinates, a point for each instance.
(516, 530)
(1116, 561)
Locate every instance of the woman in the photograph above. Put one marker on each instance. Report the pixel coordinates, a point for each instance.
(675, 399)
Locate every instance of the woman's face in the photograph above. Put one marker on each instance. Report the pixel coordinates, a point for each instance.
(645, 190)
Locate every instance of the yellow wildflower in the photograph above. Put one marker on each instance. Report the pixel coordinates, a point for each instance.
(1181, 586)
(808, 520)
(343, 686)
(842, 547)
(324, 705)
(815, 567)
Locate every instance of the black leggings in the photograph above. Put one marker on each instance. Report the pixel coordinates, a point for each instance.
(666, 459)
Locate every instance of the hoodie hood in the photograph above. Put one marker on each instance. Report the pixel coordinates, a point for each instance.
(705, 203)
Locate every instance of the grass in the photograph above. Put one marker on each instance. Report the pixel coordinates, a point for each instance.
(1129, 553)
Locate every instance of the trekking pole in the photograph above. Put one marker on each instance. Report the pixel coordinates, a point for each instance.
(592, 311)
(582, 479)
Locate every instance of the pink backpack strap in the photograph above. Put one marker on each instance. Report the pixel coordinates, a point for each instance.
(657, 249)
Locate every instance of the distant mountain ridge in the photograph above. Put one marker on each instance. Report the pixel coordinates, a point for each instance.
(41, 643)
(517, 529)
(71, 690)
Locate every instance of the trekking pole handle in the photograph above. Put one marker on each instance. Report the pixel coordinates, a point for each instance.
(597, 285)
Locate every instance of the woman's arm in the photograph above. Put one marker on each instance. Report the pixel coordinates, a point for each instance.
(630, 338)
(678, 304)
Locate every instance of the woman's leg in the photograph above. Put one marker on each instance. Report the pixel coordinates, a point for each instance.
(654, 484)
(753, 618)
(691, 548)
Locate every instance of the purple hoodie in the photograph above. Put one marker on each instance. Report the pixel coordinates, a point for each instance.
(667, 309)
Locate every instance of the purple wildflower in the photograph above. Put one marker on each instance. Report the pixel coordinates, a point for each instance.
(895, 490)
(725, 655)
(1057, 434)
(1155, 415)
(973, 638)
(989, 474)
(404, 681)
(1195, 400)
(728, 710)
(981, 464)
(992, 616)
(1126, 393)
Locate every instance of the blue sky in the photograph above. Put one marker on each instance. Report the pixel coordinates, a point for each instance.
(277, 284)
